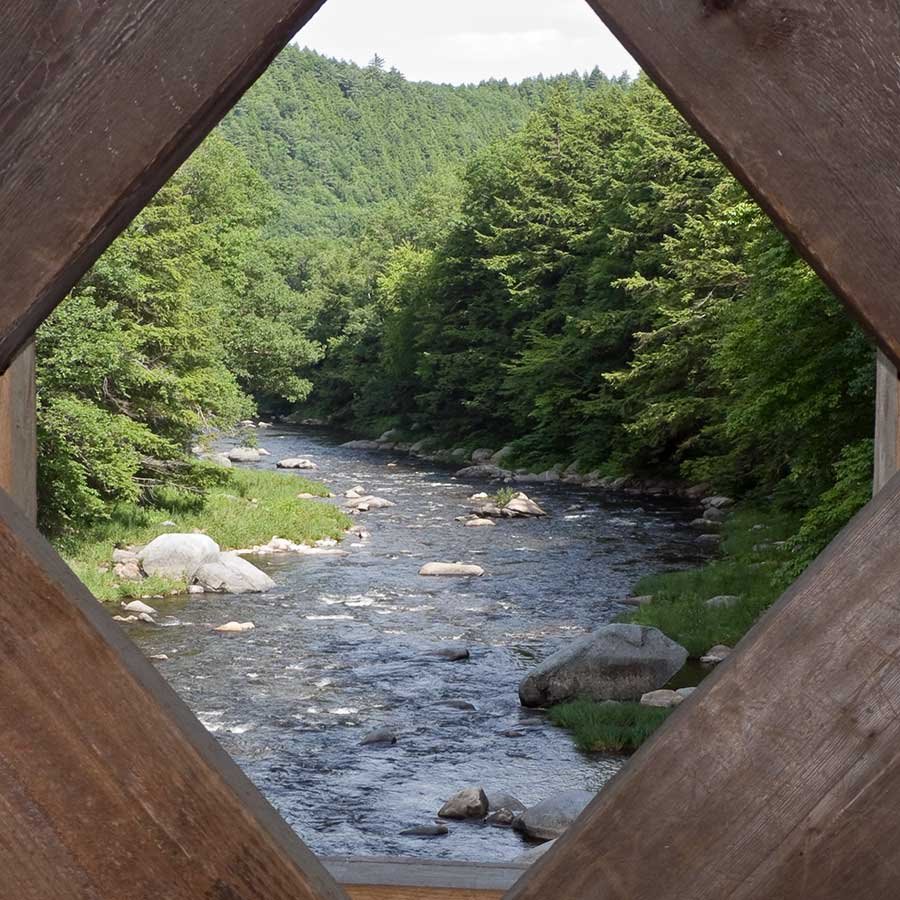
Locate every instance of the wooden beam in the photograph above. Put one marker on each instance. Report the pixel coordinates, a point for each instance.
(801, 101)
(887, 422)
(780, 777)
(109, 787)
(18, 436)
(373, 878)
(100, 104)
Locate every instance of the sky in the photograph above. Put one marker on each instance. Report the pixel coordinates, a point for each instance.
(467, 40)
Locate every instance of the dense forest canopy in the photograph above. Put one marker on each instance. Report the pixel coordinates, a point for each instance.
(560, 264)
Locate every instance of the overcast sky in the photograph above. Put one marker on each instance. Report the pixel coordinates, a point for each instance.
(467, 40)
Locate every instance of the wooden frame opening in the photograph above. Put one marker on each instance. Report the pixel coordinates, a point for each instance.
(778, 778)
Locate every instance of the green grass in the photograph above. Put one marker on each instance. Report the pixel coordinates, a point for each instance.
(608, 727)
(748, 569)
(250, 509)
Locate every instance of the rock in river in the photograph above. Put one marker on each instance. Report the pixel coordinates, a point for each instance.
(138, 606)
(230, 574)
(235, 627)
(381, 736)
(178, 556)
(479, 523)
(244, 454)
(615, 662)
(454, 654)
(469, 803)
(445, 568)
(426, 831)
(550, 818)
(522, 505)
(295, 462)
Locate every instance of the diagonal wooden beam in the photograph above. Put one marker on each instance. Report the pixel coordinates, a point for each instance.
(801, 100)
(780, 777)
(109, 788)
(100, 104)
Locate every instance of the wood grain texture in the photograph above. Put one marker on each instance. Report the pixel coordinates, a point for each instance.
(887, 423)
(393, 878)
(18, 435)
(109, 787)
(779, 778)
(100, 103)
(801, 100)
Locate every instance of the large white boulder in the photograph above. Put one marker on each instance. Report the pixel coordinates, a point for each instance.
(522, 505)
(296, 462)
(230, 574)
(615, 662)
(178, 556)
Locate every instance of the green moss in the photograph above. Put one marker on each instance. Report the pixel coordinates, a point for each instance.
(249, 510)
(608, 727)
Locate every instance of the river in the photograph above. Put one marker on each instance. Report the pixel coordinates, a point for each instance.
(342, 647)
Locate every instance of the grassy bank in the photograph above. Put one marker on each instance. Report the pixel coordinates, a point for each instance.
(608, 727)
(751, 567)
(249, 509)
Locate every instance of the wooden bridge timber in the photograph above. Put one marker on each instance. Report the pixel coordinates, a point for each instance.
(779, 778)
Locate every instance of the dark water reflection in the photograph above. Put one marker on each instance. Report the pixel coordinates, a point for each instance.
(342, 647)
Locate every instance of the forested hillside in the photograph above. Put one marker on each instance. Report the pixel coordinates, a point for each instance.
(560, 264)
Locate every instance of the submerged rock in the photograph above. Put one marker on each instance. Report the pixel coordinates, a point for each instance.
(469, 803)
(615, 662)
(444, 568)
(550, 818)
(178, 556)
(453, 654)
(426, 831)
(231, 574)
(380, 736)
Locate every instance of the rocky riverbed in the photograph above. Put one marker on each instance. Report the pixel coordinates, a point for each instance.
(351, 703)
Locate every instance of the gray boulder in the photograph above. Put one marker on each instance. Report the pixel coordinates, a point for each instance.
(481, 455)
(616, 662)
(723, 601)
(244, 454)
(231, 574)
(522, 505)
(362, 445)
(178, 556)
(550, 818)
(451, 569)
(469, 803)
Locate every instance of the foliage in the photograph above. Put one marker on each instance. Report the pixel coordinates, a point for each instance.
(608, 727)
(248, 510)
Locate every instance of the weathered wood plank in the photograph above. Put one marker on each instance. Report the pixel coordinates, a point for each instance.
(100, 104)
(887, 423)
(801, 101)
(780, 777)
(373, 878)
(109, 788)
(18, 437)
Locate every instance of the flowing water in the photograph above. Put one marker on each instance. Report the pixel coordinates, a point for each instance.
(344, 645)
